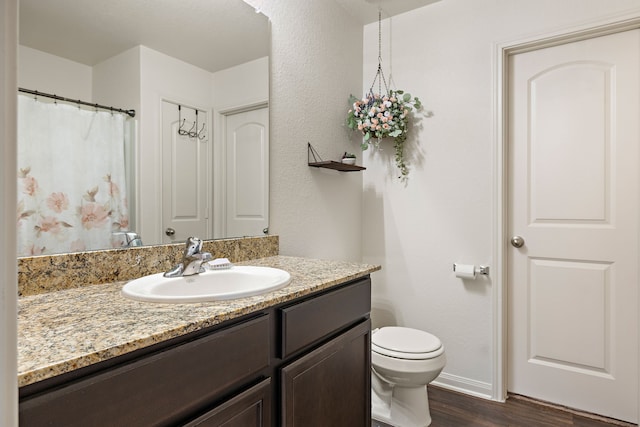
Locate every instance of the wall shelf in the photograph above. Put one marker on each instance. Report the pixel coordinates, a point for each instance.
(329, 164)
(338, 166)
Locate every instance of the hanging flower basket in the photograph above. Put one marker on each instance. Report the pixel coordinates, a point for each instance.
(385, 116)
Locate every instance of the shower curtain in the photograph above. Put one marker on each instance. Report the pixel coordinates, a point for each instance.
(71, 178)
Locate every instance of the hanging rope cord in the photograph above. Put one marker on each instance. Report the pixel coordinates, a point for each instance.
(379, 74)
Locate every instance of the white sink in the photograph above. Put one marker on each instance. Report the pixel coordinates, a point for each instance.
(212, 285)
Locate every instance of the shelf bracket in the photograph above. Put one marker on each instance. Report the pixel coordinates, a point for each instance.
(311, 152)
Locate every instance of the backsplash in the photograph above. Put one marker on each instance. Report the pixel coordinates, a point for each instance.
(46, 273)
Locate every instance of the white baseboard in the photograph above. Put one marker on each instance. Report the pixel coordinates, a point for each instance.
(464, 385)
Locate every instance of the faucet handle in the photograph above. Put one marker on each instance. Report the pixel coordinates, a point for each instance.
(192, 246)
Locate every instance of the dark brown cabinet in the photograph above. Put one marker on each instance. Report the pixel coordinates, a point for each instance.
(304, 363)
(331, 385)
(159, 389)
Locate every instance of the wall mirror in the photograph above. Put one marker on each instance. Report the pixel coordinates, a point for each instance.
(75, 49)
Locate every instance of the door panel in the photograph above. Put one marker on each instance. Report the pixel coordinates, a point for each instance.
(578, 92)
(553, 287)
(247, 173)
(573, 197)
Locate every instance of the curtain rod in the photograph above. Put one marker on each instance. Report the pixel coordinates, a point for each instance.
(131, 113)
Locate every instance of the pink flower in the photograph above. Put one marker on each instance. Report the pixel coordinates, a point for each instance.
(93, 215)
(30, 185)
(360, 126)
(380, 115)
(58, 202)
(374, 121)
(113, 189)
(77, 246)
(32, 250)
(385, 126)
(124, 222)
(48, 224)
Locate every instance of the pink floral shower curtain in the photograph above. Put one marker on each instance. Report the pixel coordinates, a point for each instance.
(71, 178)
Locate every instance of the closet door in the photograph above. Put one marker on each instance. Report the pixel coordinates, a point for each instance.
(185, 175)
(247, 173)
(573, 203)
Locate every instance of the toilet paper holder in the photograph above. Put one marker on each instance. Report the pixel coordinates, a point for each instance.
(478, 269)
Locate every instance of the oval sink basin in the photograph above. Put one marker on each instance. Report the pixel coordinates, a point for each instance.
(212, 285)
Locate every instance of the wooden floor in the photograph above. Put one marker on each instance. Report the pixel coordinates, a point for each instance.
(451, 409)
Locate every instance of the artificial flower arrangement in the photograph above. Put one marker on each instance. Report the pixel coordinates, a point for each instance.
(379, 117)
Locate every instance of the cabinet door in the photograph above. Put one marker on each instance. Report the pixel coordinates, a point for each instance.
(248, 409)
(331, 386)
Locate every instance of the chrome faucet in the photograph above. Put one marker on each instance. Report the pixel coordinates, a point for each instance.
(192, 259)
(129, 238)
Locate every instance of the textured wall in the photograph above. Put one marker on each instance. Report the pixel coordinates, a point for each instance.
(316, 63)
(443, 53)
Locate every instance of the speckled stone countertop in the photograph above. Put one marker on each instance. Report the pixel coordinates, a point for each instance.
(64, 330)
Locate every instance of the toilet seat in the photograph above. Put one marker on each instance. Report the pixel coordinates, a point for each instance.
(406, 343)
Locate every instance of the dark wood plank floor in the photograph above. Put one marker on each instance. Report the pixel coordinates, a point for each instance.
(451, 409)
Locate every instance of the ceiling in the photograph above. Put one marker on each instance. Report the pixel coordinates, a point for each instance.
(366, 11)
(210, 34)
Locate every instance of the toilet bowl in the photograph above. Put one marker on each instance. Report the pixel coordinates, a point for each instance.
(403, 362)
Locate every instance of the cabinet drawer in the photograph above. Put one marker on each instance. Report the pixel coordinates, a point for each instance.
(160, 389)
(304, 323)
(251, 408)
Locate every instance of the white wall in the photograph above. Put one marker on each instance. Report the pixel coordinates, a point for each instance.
(316, 62)
(243, 84)
(116, 81)
(44, 72)
(443, 54)
(8, 178)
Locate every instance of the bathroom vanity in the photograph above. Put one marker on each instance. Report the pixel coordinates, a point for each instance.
(299, 356)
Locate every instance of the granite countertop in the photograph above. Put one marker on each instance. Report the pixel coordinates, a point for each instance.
(61, 331)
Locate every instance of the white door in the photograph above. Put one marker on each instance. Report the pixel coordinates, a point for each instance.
(185, 181)
(247, 173)
(573, 198)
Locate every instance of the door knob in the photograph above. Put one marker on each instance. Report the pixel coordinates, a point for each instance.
(169, 231)
(517, 241)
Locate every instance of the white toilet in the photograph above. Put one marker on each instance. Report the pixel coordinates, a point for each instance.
(403, 362)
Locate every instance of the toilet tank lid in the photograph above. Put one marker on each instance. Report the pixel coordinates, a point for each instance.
(405, 340)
